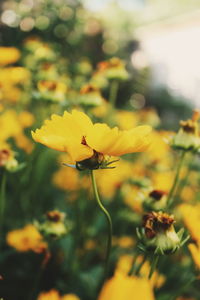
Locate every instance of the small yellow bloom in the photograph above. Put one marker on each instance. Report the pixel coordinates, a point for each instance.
(8, 55)
(191, 219)
(50, 295)
(121, 287)
(25, 239)
(54, 295)
(75, 134)
(195, 252)
(70, 297)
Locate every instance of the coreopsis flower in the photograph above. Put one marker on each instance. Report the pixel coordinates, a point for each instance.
(26, 239)
(113, 68)
(50, 295)
(12, 125)
(188, 136)
(125, 263)
(90, 96)
(55, 224)
(55, 295)
(158, 234)
(52, 90)
(126, 119)
(121, 287)
(88, 144)
(7, 157)
(195, 252)
(8, 55)
(191, 218)
(156, 199)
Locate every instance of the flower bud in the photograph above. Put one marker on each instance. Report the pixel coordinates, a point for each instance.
(54, 225)
(158, 234)
(188, 136)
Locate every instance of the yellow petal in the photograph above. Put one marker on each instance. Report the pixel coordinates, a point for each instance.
(115, 142)
(65, 134)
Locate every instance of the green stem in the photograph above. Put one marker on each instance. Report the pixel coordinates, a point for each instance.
(153, 265)
(176, 179)
(137, 271)
(108, 218)
(113, 93)
(133, 266)
(2, 198)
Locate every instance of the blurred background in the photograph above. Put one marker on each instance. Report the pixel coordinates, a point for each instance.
(159, 41)
(125, 63)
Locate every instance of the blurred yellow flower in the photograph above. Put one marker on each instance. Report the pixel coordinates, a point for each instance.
(195, 252)
(13, 125)
(70, 297)
(8, 55)
(121, 287)
(54, 295)
(109, 181)
(124, 265)
(191, 219)
(7, 157)
(50, 295)
(126, 119)
(25, 239)
(75, 134)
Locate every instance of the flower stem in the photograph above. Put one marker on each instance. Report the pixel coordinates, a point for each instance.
(2, 198)
(108, 218)
(113, 93)
(153, 265)
(137, 271)
(176, 179)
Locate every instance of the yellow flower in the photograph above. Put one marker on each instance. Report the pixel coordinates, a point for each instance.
(8, 55)
(75, 134)
(7, 158)
(50, 295)
(121, 287)
(126, 119)
(25, 239)
(54, 295)
(70, 297)
(191, 219)
(66, 179)
(195, 252)
(125, 263)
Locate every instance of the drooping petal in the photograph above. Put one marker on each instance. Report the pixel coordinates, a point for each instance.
(65, 133)
(115, 142)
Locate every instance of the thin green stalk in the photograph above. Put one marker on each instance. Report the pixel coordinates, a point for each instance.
(176, 179)
(113, 93)
(108, 218)
(139, 267)
(153, 265)
(2, 198)
(133, 266)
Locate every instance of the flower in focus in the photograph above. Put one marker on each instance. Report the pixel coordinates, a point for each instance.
(8, 55)
(158, 234)
(89, 143)
(25, 239)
